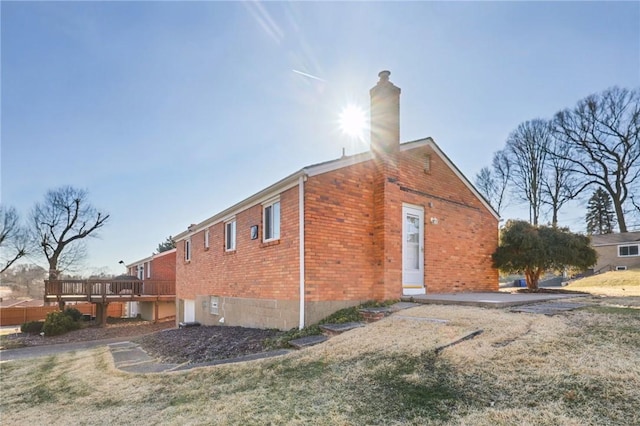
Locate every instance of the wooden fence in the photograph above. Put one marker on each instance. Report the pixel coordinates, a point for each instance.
(19, 315)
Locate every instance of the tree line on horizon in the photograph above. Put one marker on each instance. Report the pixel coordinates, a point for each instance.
(594, 146)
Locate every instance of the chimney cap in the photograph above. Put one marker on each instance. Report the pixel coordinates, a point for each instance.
(384, 75)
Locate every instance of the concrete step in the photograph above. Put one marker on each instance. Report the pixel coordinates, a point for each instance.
(375, 314)
(335, 329)
(307, 341)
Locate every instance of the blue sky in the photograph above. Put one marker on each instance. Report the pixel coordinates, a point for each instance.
(168, 112)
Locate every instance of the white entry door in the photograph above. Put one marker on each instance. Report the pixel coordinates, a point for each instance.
(412, 250)
(189, 310)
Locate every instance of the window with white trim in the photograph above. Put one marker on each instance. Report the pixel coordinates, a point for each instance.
(149, 269)
(141, 271)
(230, 235)
(271, 221)
(187, 250)
(213, 305)
(630, 250)
(206, 238)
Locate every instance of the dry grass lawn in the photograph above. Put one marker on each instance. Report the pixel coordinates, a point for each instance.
(614, 283)
(579, 368)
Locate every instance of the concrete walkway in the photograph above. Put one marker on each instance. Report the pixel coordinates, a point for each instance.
(488, 300)
(130, 357)
(48, 350)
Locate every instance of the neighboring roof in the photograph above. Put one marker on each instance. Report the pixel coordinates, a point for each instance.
(6, 303)
(150, 258)
(320, 168)
(615, 239)
(21, 303)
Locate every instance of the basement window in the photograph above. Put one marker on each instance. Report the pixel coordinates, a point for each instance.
(213, 305)
(621, 268)
(630, 250)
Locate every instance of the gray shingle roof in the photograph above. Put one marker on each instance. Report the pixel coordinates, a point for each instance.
(611, 239)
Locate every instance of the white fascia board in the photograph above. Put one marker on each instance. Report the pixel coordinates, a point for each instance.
(330, 166)
(257, 198)
(139, 262)
(150, 258)
(430, 142)
(164, 253)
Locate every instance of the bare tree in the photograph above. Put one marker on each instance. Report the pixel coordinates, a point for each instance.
(13, 238)
(559, 185)
(602, 134)
(486, 184)
(527, 149)
(61, 222)
(502, 174)
(492, 182)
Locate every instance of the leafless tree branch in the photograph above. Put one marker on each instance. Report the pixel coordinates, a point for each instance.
(61, 222)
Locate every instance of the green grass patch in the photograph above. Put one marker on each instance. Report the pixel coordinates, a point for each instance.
(342, 316)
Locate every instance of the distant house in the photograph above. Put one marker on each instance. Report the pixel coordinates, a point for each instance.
(617, 252)
(157, 269)
(398, 220)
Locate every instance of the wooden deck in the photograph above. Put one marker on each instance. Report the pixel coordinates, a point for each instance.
(105, 291)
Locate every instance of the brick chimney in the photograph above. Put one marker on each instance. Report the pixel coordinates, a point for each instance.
(385, 115)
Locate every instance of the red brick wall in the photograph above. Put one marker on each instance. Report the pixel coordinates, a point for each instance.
(353, 248)
(255, 269)
(458, 248)
(163, 267)
(339, 256)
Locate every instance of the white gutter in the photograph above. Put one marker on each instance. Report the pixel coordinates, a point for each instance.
(301, 244)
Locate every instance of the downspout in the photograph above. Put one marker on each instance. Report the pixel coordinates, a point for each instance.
(301, 180)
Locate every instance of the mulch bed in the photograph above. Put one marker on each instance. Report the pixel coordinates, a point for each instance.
(205, 343)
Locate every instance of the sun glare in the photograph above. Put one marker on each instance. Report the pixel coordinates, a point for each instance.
(353, 121)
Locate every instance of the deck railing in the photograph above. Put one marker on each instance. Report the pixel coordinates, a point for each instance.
(104, 288)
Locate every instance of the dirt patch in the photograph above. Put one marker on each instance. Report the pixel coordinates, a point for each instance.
(205, 344)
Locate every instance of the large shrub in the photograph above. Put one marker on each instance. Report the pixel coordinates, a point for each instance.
(58, 323)
(32, 327)
(73, 313)
(532, 250)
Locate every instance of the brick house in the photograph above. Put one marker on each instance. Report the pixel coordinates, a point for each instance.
(398, 220)
(616, 252)
(157, 268)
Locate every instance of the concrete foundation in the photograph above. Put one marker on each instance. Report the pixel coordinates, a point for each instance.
(260, 313)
